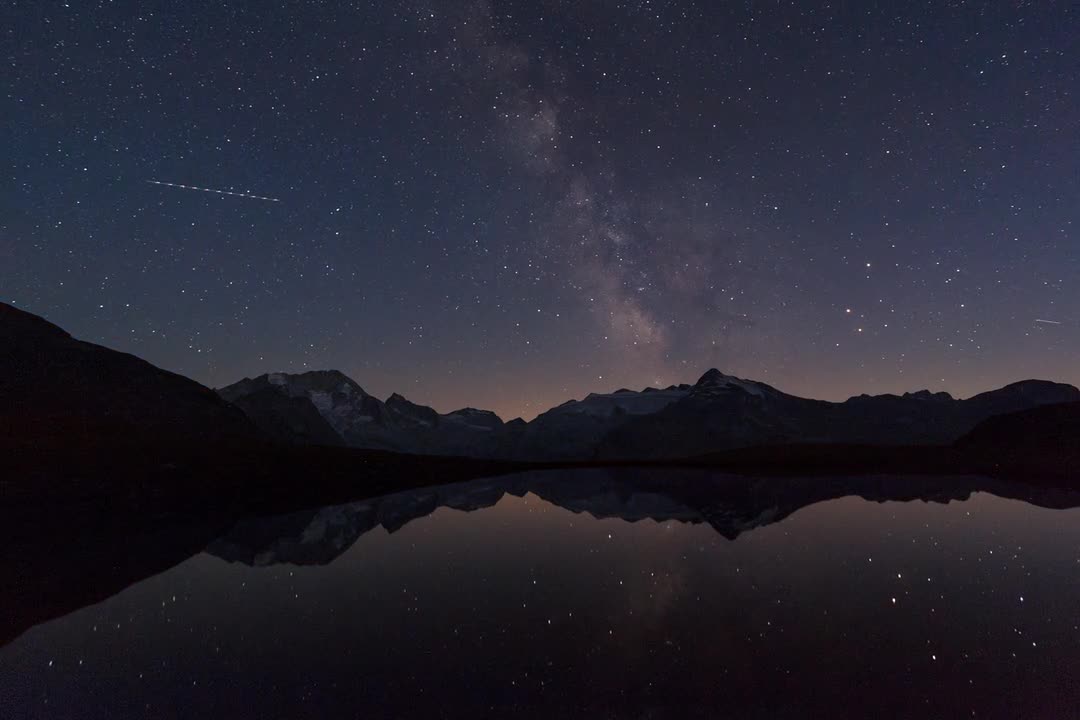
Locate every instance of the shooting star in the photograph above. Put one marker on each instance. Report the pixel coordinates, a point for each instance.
(209, 190)
(1047, 322)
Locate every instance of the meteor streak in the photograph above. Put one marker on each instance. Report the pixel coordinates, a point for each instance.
(219, 192)
(1047, 322)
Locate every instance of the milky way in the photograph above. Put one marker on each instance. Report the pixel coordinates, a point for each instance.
(508, 204)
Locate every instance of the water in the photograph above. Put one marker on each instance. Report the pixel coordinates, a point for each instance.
(599, 594)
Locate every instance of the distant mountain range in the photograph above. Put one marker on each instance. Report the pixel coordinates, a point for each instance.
(718, 412)
(329, 408)
(64, 401)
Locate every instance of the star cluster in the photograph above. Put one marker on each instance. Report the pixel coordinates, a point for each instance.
(506, 204)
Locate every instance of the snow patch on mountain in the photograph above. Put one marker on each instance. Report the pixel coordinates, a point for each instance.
(602, 405)
(341, 411)
(714, 383)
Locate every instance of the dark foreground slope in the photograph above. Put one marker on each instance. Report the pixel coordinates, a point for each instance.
(63, 395)
(1040, 442)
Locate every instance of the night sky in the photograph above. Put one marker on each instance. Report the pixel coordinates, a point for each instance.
(508, 204)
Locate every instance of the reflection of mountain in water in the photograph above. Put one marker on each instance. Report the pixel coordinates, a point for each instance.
(64, 560)
(730, 505)
(317, 536)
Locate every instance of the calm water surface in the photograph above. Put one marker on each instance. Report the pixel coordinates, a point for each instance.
(592, 594)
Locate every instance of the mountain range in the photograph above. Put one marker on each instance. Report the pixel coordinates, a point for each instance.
(329, 408)
(718, 412)
(69, 403)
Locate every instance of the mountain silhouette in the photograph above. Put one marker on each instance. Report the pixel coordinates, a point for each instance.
(77, 419)
(60, 394)
(719, 412)
(1041, 441)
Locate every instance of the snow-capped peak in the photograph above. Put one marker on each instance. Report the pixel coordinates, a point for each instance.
(714, 383)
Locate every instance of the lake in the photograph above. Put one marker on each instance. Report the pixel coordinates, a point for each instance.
(641, 594)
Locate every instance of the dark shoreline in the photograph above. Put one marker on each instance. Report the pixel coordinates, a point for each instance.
(266, 476)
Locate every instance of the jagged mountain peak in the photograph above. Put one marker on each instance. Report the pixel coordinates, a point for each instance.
(670, 388)
(714, 383)
(621, 402)
(409, 412)
(296, 384)
(397, 400)
(342, 403)
(319, 380)
(918, 395)
(712, 375)
(289, 407)
(484, 419)
(927, 395)
(922, 395)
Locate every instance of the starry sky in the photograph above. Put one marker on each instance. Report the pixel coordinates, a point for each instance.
(508, 204)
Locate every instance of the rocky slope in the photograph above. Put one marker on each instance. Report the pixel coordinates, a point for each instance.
(576, 428)
(290, 407)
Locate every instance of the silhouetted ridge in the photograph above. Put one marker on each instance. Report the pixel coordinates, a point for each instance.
(1044, 440)
(719, 412)
(58, 393)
